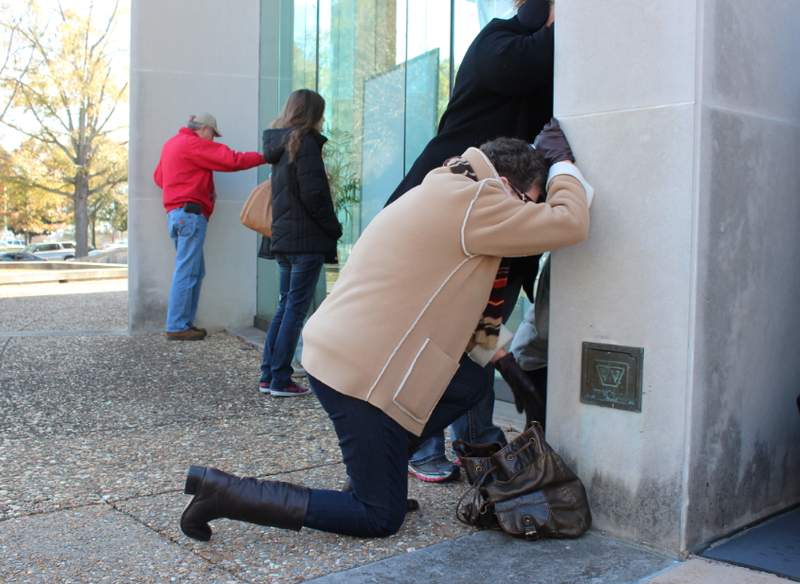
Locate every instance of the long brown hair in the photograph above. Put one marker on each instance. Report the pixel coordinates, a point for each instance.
(302, 110)
(518, 3)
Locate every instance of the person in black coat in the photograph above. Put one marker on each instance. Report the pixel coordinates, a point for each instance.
(504, 88)
(304, 230)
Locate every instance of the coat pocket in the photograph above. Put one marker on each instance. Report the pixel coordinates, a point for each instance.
(425, 382)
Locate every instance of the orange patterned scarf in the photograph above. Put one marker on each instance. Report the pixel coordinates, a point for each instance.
(489, 325)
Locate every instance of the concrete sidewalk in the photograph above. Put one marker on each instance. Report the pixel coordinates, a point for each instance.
(99, 428)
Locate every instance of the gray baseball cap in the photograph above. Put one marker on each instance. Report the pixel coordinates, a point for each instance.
(206, 119)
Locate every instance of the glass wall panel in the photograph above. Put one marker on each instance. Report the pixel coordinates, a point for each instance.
(385, 69)
(384, 136)
(426, 28)
(306, 45)
(421, 104)
(400, 117)
(275, 73)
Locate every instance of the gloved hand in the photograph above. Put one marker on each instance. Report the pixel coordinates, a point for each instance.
(552, 143)
(526, 397)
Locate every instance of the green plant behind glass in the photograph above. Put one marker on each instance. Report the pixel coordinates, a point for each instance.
(342, 172)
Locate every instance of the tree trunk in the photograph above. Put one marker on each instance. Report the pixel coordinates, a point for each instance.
(81, 218)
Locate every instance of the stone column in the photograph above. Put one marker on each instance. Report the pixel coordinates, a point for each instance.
(685, 116)
(189, 56)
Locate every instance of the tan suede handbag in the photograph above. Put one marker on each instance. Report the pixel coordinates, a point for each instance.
(257, 211)
(524, 489)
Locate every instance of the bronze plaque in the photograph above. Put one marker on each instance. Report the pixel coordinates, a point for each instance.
(612, 376)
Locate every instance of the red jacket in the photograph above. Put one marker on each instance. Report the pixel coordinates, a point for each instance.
(185, 169)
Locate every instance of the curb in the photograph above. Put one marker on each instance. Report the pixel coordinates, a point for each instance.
(37, 276)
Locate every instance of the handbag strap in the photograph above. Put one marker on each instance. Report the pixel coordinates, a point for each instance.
(476, 496)
(474, 490)
(511, 456)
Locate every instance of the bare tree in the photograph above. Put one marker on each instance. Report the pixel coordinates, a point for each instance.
(16, 56)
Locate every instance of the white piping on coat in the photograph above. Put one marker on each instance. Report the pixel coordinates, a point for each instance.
(411, 328)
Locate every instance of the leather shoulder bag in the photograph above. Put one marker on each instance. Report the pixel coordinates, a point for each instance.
(523, 488)
(257, 211)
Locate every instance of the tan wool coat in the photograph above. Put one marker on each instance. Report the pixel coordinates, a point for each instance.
(406, 303)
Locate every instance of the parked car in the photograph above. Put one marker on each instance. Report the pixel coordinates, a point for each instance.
(20, 256)
(11, 244)
(53, 250)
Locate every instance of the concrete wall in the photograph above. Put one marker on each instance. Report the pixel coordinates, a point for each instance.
(189, 56)
(683, 115)
(744, 460)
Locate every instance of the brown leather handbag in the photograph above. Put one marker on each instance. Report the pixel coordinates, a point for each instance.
(523, 488)
(257, 211)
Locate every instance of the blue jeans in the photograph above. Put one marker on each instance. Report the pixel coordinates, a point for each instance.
(474, 426)
(299, 273)
(375, 452)
(188, 233)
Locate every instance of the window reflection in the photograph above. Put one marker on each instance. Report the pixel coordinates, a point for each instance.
(386, 70)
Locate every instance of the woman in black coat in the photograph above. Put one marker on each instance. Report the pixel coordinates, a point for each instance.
(304, 230)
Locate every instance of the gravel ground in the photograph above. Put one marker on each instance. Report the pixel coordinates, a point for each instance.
(96, 304)
(99, 430)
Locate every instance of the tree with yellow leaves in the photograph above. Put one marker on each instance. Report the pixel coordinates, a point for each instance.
(23, 209)
(64, 101)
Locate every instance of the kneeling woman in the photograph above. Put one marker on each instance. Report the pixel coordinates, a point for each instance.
(385, 352)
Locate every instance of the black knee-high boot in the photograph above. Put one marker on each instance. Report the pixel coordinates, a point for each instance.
(218, 494)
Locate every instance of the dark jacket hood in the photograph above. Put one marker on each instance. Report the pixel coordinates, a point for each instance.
(275, 140)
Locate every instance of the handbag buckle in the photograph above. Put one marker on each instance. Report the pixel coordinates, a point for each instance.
(529, 528)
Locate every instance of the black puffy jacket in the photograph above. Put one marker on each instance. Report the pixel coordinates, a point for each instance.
(303, 219)
(504, 88)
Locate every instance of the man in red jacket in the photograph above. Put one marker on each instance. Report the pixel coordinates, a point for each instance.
(185, 175)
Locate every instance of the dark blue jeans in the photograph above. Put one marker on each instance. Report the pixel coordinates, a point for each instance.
(375, 452)
(299, 273)
(476, 426)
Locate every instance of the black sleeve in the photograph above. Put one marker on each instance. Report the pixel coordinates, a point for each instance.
(315, 193)
(271, 154)
(515, 64)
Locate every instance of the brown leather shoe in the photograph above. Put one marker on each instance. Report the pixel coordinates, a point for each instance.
(187, 335)
(199, 330)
